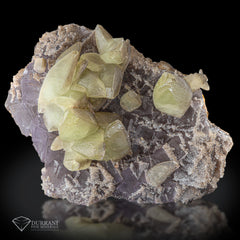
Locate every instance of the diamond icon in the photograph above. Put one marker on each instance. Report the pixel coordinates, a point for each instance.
(21, 222)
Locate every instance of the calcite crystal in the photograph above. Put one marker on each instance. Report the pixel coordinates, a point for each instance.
(176, 155)
(65, 100)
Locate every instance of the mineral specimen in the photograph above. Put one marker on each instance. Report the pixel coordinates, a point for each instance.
(106, 121)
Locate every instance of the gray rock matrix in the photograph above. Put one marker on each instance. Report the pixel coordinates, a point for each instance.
(191, 149)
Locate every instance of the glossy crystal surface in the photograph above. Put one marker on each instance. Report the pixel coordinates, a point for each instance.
(92, 146)
(105, 118)
(77, 124)
(116, 141)
(75, 88)
(73, 161)
(95, 88)
(172, 95)
(58, 80)
(130, 101)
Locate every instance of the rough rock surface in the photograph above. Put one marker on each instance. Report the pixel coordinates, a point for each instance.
(197, 147)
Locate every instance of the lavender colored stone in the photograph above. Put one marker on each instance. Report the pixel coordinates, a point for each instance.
(192, 142)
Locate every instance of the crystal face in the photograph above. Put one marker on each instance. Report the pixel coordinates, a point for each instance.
(94, 86)
(105, 118)
(74, 89)
(172, 95)
(74, 161)
(158, 174)
(116, 140)
(130, 101)
(92, 147)
(58, 80)
(54, 111)
(94, 61)
(77, 124)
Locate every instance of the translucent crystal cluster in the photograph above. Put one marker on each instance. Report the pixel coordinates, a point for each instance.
(74, 89)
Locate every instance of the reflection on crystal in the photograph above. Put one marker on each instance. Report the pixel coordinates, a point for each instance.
(120, 219)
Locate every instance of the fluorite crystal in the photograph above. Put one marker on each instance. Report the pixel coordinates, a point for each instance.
(154, 146)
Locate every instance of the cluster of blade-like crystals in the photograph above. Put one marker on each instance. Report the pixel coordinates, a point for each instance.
(74, 89)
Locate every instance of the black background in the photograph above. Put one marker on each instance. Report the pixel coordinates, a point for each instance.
(189, 37)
